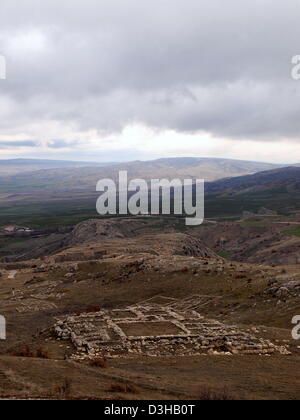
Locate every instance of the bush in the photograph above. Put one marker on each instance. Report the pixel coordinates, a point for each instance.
(93, 308)
(99, 363)
(42, 354)
(89, 310)
(25, 352)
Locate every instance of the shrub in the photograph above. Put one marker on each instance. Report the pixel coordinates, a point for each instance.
(99, 363)
(93, 308)
(42, 353)
(25, 352)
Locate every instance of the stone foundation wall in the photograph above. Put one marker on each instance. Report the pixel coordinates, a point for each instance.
(155, 331)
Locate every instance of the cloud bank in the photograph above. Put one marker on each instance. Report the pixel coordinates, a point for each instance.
(215, 76)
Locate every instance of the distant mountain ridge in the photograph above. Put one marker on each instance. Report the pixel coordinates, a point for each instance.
(15, 166)
(210, 169)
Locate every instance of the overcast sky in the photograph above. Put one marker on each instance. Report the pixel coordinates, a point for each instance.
(138, 79)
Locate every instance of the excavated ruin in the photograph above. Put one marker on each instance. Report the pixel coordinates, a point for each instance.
(165, 329)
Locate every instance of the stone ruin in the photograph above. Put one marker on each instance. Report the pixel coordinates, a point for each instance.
(156, 330)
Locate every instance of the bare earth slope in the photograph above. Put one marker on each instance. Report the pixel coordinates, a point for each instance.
(258, 240)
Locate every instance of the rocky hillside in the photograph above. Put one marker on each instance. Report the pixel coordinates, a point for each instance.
(265, 241)
(132, 300)
(98, 229)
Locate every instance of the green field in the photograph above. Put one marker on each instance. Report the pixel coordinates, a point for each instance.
(52, 212)
(48, 214)
(294, 232)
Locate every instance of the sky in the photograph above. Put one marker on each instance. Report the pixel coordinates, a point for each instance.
(121, 80)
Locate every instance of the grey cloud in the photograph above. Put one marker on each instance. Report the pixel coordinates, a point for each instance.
(61, 144)
(188, 65)
(16, 144)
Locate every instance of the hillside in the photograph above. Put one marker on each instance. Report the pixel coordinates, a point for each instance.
(284, 179)
(277, 190)
(146, 314)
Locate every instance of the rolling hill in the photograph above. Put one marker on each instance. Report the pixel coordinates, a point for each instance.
(77, 175)
(282, 179)
(277, 190)
(18, 166)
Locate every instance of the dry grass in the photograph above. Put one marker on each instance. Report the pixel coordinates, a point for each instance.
(207, 393)
(63, 391)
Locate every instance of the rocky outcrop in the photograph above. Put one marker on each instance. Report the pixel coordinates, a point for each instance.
(192, 247)
(98, 229)
(288, 290)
